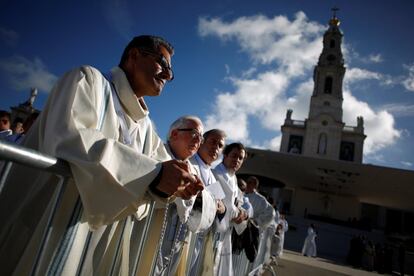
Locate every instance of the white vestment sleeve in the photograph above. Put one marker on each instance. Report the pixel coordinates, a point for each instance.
(266, 216)
(112, 178)
(184, 208)
(263, 212)
(246, 206)
(201, 221)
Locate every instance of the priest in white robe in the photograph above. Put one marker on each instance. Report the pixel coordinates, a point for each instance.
(99, 124)
(264, 217)
(285, 227)
(184, 139)
(309, 246)
(233, 157)
(202, 258)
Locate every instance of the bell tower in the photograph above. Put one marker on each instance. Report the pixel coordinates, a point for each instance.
(324, 134)
(328, 75)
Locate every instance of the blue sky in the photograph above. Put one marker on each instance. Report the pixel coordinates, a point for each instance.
(239, 65)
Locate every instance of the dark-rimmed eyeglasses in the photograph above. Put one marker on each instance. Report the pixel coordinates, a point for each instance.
(194, 133)
(162, 61)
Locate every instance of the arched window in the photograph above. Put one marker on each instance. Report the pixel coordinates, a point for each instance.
(323, 143)
(331, 58)
(332, 44)
(328, 85)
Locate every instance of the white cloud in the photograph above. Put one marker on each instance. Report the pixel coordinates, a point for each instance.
(374, 158)
(249, 72)
(261, 98)
(379, 126)
(227, 67)
(400, 110)
(273, 144)
(293, 47)
(375, 58)
(119, 16)
(351, 54)
(8, 36)
(357, 75)
(408, 82)
(24, 74)
(406, 163)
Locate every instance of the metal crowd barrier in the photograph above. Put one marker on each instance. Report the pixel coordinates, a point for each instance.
(240, 264)
(11, 153)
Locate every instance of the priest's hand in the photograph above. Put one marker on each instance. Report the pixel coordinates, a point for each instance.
(191, 189)
(220, 207)
(240, 217)
(175, 178)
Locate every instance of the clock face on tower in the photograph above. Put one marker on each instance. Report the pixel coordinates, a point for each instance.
(331, 58)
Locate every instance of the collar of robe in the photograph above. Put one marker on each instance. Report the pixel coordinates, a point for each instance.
(133, 106)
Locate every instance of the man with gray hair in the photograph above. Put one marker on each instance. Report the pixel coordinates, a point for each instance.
(183, 141)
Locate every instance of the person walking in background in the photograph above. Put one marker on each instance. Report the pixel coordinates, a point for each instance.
(309, 246)
(284, 228)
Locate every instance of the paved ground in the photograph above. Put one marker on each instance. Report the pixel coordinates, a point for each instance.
(294, 264)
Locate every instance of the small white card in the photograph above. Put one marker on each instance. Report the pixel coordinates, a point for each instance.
(216, 190)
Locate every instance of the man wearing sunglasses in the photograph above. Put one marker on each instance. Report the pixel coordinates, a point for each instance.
(99, 124)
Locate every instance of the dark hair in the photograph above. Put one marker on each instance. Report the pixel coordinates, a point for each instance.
(232, 146)
(241, 184)
(214, 131)
(148, 42)
(4, 113)
(254, 179)
(30, 120)
(17, 120)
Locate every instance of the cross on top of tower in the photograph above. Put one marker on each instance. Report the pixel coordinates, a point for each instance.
(334, 21)
(334, 10)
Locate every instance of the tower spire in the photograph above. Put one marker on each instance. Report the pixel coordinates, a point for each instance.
(334, 21)
(334, 10)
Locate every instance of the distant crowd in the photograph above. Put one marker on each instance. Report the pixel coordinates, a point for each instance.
(15, 131)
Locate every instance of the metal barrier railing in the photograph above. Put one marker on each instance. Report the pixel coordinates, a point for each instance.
(12, 153)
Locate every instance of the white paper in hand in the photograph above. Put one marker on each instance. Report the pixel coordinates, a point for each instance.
(216, 190)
